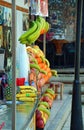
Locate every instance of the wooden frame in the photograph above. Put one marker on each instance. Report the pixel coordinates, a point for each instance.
(9, 5)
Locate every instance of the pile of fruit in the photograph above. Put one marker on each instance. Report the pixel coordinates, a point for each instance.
(26, 93)
(40, 67)
(37, 27)
(44, 107)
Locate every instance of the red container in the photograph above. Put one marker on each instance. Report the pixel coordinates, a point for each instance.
(20, 81)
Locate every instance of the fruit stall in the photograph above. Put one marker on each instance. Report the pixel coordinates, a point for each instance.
(27, 100)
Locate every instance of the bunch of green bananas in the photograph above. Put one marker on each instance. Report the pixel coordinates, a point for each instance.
(34, 31)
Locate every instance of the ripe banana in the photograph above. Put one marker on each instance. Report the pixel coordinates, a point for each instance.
(27, 91)
(26, 95)
(35, 35)
(47, 111)
(33, 27)
(26, 99)
(27, 88)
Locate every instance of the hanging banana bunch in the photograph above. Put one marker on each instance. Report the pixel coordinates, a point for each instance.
(38, 27)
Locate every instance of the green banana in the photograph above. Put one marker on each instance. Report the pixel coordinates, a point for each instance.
(47, 111)
(36, 66)
(23, 41)
(42, 21)
(35, 35)
(44, 103)
(45, 60)
(33, 59)
(43, 71)
(54, 72)
(33, 27)
(47, 26)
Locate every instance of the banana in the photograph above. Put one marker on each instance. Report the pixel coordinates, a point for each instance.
(33, 59)
(43, 71)
(29, 49)
(27, 88)
(26, 95)
(47, 26)
(45, 60)
(24, 41)
(36, 66)
(27, 91)
(35, 35)
(47, 111)
(54, 72)
(33, 27)
(50, 91)
(26, 99)
(43, 23)
(38, 50)
(47, 94)
(44, 103)
(31, 95)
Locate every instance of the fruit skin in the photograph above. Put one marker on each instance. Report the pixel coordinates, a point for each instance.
(44, 104)
(47, 94)
(40, 123)
(47, 26)
(47, 111)
(26, 99)
(23, 41)
(48, 100)
(47, 62)
(49, 90)
(38, 114)
(36, 66)
(35, 35)
(43, 24)
(27, 88)
(54, 72)
(33, 27)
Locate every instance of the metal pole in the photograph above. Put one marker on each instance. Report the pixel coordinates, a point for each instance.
(13, 64)
(76, 114)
